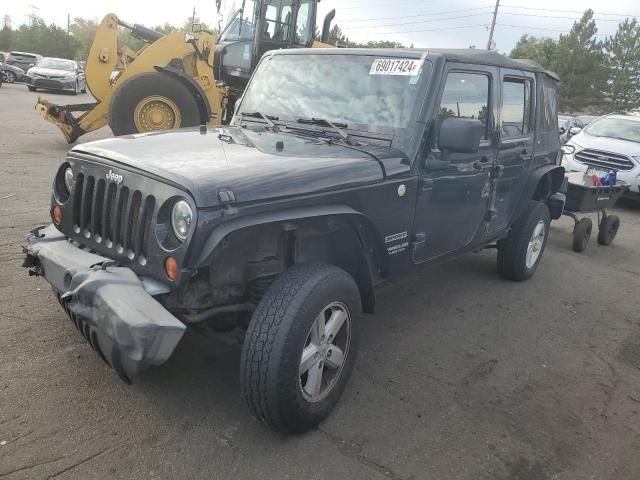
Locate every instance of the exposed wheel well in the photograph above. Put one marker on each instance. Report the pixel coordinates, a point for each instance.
(549, 183)
(247, 260)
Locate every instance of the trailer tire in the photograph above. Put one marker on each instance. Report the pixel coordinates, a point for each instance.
(152, 101)
(608, 229)
(582, 234)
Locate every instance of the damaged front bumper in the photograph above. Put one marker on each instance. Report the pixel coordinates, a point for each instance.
(111, 306)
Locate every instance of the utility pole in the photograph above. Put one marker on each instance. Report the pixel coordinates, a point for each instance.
(193, 17)
(68, 23)
(493, 25)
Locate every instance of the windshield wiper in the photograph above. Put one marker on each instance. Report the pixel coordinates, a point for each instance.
(267, 118)
(336, 127)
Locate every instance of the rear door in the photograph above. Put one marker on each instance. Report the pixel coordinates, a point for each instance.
(515, 147)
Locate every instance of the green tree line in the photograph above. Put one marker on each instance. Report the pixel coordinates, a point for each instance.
(595, 75)
(53, 41)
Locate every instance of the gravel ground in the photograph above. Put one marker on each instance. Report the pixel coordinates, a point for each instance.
(461, 375)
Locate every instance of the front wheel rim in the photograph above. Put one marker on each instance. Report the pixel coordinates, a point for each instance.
(325, 352)
(536, 242)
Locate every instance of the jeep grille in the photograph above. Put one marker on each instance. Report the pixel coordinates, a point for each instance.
(113, 215)
(609, 160)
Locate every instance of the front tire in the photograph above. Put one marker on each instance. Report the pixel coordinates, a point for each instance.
(150, 102)
(32, 89)
(519, 254)
(300, 347)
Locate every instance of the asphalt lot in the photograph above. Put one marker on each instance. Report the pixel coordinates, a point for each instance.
(460, 375)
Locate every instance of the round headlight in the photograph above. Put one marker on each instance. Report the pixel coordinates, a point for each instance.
(68, 179)
(181, 217)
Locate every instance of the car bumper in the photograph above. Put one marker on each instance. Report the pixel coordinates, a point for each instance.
(52, 84)
(630, 177)
(111, 306)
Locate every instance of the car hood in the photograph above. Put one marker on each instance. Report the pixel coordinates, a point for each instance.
(254, 165)
(50, 71)
(623, 147)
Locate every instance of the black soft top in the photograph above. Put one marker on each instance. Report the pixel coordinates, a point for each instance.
(458, 55)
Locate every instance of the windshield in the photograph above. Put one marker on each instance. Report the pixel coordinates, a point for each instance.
(57, 64)
(339, 88)
(240, 22)
(621, 128)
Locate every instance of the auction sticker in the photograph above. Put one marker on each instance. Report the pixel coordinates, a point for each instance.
(396, 66)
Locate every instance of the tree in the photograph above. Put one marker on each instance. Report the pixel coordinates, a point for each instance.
(580, 63)
(542, 50)
(623, 62)
(6, 35)
(83, 31)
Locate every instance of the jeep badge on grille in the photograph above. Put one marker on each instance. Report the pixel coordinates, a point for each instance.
(114, 177)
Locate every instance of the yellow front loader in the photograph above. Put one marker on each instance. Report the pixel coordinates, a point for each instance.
(184, 78)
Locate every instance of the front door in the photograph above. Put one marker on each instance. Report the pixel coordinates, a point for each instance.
(454, 198)
(515, 150)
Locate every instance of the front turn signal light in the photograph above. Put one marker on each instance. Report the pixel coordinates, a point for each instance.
(57, 215)
(171, 268)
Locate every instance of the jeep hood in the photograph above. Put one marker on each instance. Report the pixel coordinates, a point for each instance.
(254, 165)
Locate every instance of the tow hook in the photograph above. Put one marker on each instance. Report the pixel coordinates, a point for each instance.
(31, 262)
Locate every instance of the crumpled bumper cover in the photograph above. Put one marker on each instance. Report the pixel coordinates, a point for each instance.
(128, 328)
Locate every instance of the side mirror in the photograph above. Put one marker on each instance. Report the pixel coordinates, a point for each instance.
(460, 135)
(562, 130)
(574, 131)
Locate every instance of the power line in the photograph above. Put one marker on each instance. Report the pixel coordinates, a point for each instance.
(484, 25)
(571, 11)
(556, 16)
(418, 15)
(387, 4)
(419, 21)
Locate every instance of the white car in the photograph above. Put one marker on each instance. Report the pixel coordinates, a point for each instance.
(609, 143)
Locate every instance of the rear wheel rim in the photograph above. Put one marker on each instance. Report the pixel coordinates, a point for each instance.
(325, 352)
(10, 77)
(156, 112)
(536, 242)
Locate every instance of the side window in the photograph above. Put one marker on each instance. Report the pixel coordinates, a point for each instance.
(304, 30)
(277, 20)
(466, 95)
(516, 107)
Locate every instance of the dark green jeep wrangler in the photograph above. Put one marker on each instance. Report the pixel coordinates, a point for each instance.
(341, 171)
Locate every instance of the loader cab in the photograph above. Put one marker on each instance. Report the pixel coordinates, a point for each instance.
(257, 26)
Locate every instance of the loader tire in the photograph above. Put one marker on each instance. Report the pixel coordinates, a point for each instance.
(150, 102)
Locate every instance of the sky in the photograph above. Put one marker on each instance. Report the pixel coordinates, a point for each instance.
(423, 23)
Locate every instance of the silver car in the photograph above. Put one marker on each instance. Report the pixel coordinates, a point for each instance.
(57, 74)
(609, 143)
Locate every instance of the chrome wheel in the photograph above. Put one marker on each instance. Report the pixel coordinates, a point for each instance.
(325, 351)
(536, 242)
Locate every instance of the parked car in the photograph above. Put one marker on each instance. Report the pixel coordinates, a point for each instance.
(609, 143)
(587, 119)
(57, 74)
(23, 60)
(285, 222)
(11, 73)
(565, 125)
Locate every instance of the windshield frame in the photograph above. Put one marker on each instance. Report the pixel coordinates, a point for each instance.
(587, 129)
(237, 17)
(399, 137)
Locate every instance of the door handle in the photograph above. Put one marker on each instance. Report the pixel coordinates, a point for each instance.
(526, 156)
(479, 164)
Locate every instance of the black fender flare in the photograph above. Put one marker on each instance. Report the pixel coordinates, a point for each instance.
(201, 98)
(535, 189)
(374, 260)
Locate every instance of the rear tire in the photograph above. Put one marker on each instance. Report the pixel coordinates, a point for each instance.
(143, 86)
(608, 229)
(32, 89)
(9, 77)
(519, 254)
(282, 361)
(582, 234)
